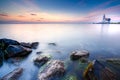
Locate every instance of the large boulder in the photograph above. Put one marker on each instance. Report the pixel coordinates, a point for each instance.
(4, 43)
(53, 68)
(1, 57)
(14, 75)
(40, 60)
(78, 54)
(17, 51)
(33, 45)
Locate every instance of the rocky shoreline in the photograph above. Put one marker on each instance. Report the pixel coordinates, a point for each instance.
(52, 68)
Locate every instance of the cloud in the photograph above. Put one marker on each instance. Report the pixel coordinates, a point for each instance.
(4, 15)
(21, 16)
(33, 14)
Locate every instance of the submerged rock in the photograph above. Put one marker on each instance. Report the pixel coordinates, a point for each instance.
(40, 60)
(14, 75)
(17, 51)
(53, 68)
(75, 55)
(39, 52)
(30, 45)
(53, 44)
(97, 71)
(114, 61)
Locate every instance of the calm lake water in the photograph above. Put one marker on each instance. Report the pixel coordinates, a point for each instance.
(101, 40)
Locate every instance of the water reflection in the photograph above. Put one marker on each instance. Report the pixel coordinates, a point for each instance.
(104, 29)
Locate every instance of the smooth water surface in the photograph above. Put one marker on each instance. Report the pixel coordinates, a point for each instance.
(101, 40)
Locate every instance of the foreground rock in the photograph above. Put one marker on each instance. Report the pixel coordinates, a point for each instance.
(98, 71)
(4, 43)
(14, 75)
(33, 45)
(40, 60)
(54, 68)
(75, 55)
(17, 51)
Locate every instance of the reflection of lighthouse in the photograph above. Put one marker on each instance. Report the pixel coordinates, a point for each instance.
(104, 29)
(106, 20)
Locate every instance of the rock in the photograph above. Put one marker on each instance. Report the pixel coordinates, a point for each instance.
(54, 68)
(53, 44)
(14, 75)
(39, 52)
(40, 60)
(17, 51)
(75, 55)
(34, 45)
(30, 45)
(96, 70)
(1, 57)
(4, 43)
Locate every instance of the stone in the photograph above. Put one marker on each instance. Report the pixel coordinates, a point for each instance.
(14, 75)
(4, 43)
(1, 57)
(54, 68)
(53, 44)
(97, 70)
(34, 45)
(39, 52)
(30, 45)
(40, 60)
(75, 55)
(17, 51)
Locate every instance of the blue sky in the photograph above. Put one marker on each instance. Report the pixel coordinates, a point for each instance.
(58, 10)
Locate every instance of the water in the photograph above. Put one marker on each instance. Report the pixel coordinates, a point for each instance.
(101, 40)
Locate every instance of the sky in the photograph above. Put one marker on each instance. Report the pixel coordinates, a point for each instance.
(54, 11)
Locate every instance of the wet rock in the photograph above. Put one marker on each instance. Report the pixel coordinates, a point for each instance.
(17, 51)
(39, 52)
(4, 43)
(30, 45)
(40, 60)
(14, 75)
(53, 44)
(96, 70)
(75, 55)
(34, 45)
(1, 57)
(54, 68)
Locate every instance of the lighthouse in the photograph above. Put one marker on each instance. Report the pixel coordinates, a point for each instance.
(106, 20)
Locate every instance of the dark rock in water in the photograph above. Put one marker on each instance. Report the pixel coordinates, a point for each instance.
(54, 68)
(14, 75)
(75, 55)
(34, 45)
(30, 45)
(17, 51)
(1, 57)
(39, 52)
(40, 60)
(4, 43)
(97, 71)
(54, 44)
